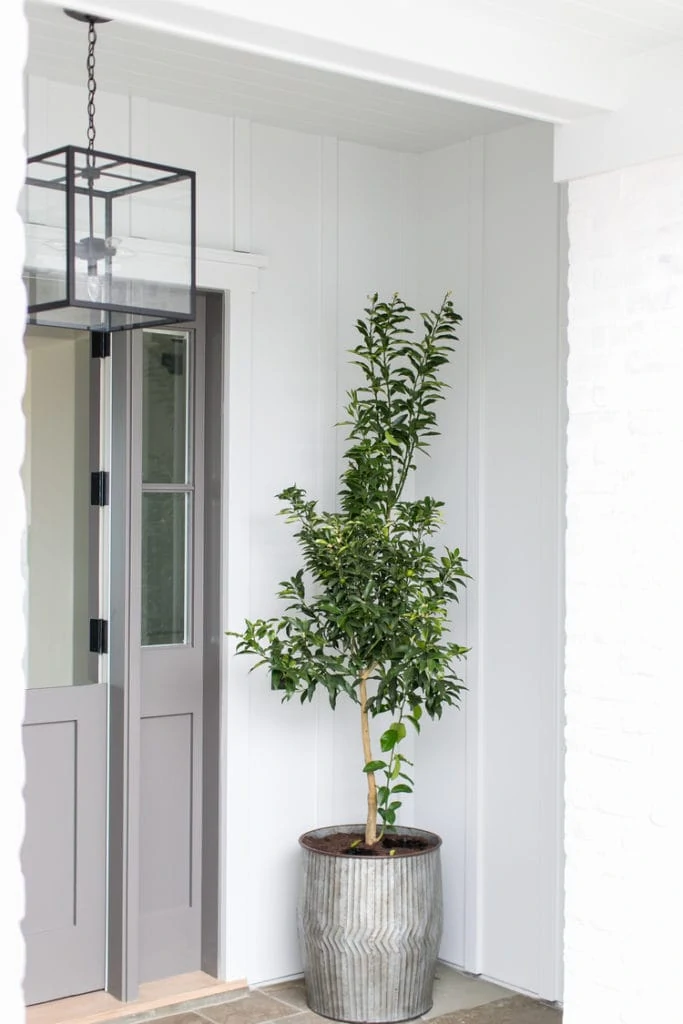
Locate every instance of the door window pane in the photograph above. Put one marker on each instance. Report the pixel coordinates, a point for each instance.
(164, 568)
(56, 476)
(165, 390)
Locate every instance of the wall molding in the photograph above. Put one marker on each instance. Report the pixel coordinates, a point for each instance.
(475, 553)
(241, 184)
(327, 412)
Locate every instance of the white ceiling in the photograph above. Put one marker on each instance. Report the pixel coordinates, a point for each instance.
(568, 47)
(620, 27)
(198, 75)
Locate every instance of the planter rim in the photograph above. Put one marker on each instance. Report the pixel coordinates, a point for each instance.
(401, 830)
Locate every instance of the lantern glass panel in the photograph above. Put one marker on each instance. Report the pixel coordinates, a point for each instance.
(43, 209)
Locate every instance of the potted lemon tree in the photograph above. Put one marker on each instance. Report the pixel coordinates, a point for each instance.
(367, 620)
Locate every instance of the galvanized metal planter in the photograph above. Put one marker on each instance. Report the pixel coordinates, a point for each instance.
(369, 930)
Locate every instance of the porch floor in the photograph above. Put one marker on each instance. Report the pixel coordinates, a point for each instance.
(458, 999)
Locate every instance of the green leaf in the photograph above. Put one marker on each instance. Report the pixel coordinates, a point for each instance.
(389, 739)
(374, 766)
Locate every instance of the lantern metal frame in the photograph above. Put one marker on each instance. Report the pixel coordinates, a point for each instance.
(66, 180)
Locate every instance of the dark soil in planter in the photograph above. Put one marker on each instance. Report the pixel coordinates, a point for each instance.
(345, 844)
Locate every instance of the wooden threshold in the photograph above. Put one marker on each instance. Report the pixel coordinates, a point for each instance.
(97, 1007)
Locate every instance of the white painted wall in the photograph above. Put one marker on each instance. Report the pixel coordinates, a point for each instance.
(624, 820)
(490, 230)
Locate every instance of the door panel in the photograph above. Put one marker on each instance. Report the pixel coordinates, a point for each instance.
(170, 881)
(51, 753)
(64, 852)
(168, 384)
(166, 776)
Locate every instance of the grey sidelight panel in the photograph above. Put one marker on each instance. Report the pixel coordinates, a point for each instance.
(168, 517)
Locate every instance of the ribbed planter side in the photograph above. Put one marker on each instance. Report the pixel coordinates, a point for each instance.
(369, 932)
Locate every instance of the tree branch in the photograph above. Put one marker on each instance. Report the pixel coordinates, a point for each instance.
(371, 822)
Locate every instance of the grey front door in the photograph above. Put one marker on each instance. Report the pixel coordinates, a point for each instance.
(132, 716)
(168, 495)
(65, 731)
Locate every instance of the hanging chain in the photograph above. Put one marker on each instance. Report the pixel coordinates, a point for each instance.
(92, 85)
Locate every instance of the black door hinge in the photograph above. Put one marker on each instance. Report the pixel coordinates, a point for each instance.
(100, 344)
(99, 488)
(99, 636)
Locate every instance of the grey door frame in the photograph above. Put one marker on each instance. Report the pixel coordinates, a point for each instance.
(123, 957)
(214, 359)
(124, 685)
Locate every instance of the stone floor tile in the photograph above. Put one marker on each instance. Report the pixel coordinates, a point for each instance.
(517, 1010)
(255, 1008)
(454, 990)
(292, 992)
(179, 1018)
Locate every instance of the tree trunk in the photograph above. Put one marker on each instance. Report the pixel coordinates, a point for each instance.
(371, 822)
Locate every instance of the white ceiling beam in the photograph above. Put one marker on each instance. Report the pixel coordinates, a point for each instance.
(426, 46)
(648, 126)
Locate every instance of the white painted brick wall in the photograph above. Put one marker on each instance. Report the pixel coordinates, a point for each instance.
(624, 661)
(13, 42)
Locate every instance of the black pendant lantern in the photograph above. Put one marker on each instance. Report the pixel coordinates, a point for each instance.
(110, 241)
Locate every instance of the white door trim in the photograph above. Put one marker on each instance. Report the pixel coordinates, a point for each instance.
(236, 275)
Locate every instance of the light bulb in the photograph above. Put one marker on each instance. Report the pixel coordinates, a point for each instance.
(94, 287)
